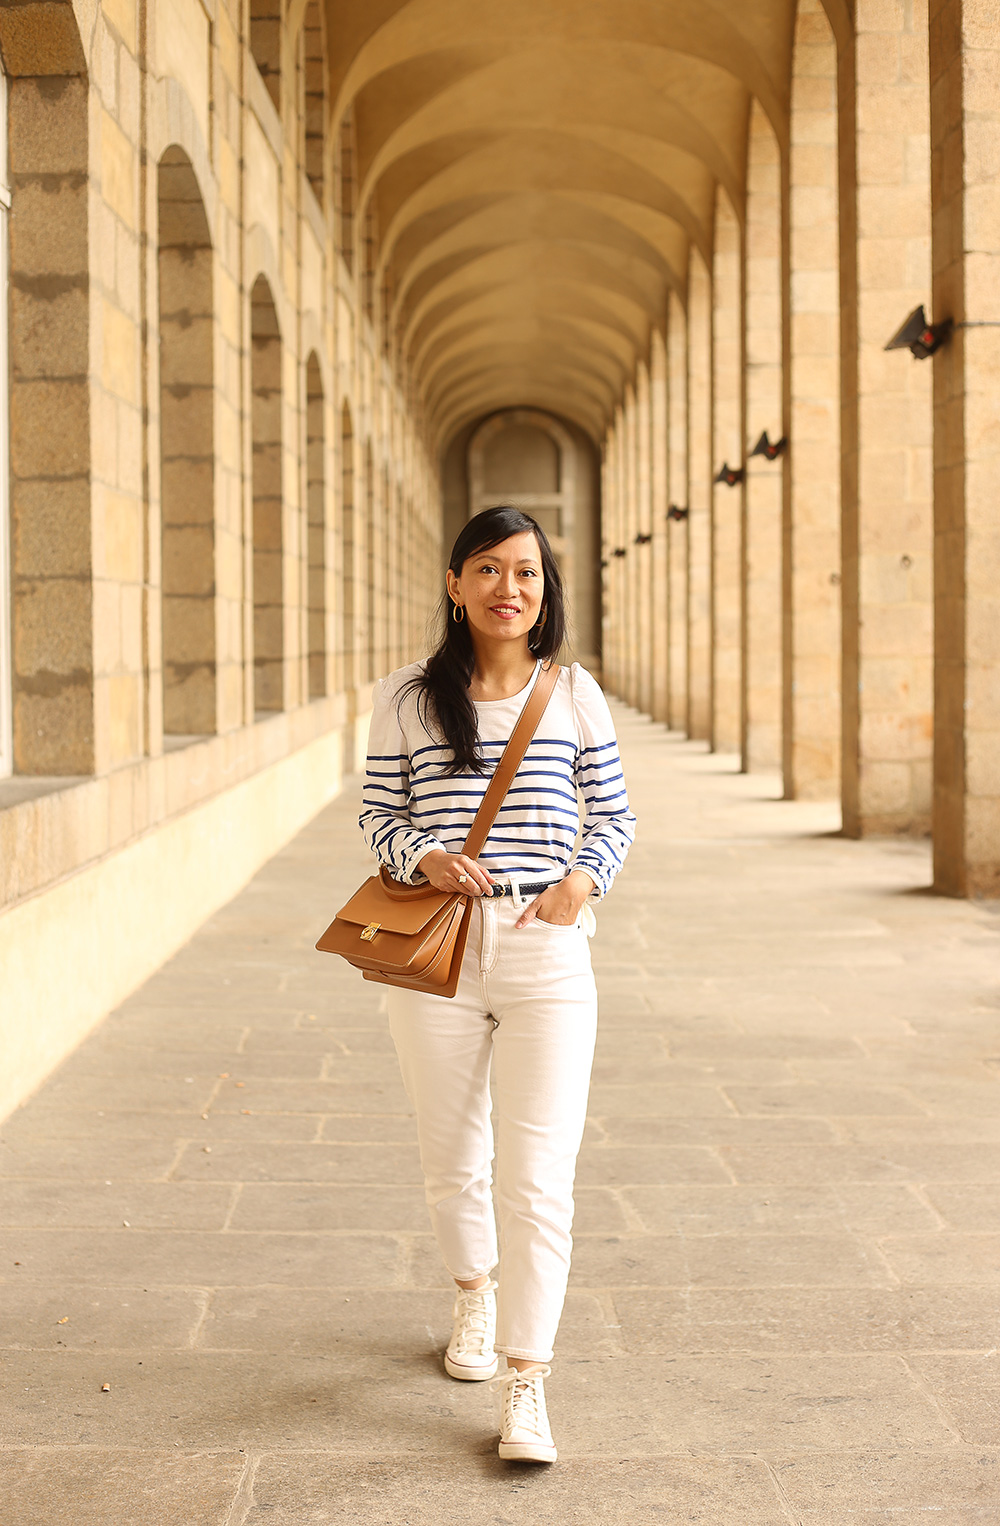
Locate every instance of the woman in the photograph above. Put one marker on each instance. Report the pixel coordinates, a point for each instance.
(526, 1004)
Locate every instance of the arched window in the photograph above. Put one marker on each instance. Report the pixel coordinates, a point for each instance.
(265, 44)
(6, 737)
(526, 457)
(268, 528)
(316, 513)
(187, 451)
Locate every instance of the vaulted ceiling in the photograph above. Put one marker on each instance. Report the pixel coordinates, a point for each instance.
(540, 170)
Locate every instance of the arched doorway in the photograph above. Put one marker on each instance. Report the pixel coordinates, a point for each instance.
(268, 528)
(187, 451)
(316, 516)
(535, 461)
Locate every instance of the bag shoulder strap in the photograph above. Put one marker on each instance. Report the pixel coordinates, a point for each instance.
(510, 760)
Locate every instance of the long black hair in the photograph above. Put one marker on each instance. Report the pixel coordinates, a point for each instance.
(443, 686)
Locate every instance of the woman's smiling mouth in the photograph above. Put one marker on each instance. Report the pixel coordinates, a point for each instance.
(505, 611)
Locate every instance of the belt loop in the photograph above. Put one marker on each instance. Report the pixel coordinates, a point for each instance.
(515, 892)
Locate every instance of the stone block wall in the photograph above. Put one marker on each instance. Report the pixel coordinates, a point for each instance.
(189, 546)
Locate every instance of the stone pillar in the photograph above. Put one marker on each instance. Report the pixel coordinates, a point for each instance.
(659, 529)
(677, 496)
(886, 421)
(349, 650)
(232, 508)
(700, 496)
(604, 636)
(318, 645)
(811, 512)
(727, 502)
(762, 669)
(629, 527)
(609, 592)
(613, 573)
(640, 550)
(618, 570)
(965, 200)
(51, 311)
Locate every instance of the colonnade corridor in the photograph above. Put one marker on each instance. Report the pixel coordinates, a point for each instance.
(221, 1305)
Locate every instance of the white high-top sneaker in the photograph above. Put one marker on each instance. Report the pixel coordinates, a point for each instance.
(524, 1425)
(470, 1355)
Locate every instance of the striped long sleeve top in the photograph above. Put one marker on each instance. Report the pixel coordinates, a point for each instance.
(412, 807)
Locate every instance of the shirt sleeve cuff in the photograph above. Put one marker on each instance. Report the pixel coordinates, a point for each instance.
(414, 853)
(597, 894)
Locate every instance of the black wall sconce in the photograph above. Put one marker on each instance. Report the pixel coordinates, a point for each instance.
(770, 449)
(643, 540)
(920, 337)
(675, 513)
(730, 475)
(620, 551)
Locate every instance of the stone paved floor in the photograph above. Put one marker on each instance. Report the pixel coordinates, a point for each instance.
(785, 1293)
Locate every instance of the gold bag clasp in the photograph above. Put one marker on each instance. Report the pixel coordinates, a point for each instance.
(370, 931)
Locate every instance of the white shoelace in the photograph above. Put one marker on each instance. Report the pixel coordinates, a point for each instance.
(473, 1333)
(522, 1400)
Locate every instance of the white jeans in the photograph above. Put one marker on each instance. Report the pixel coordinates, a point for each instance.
(527, 1005)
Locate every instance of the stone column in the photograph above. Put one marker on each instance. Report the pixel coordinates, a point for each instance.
(886, 420)
(349, 652)
(605, 638)
(700, 496)
(677, 495)
(618, 571)
(811, 517)
(640, 550)
(965, 200)
(660, 547)
(727, 502)
(629, 526)
(762, 668)
(611, 539)
(57, 543)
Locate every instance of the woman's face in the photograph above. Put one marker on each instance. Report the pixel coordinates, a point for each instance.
(501, 589)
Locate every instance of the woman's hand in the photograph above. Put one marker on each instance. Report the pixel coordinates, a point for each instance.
(560, 904)
(444, 870)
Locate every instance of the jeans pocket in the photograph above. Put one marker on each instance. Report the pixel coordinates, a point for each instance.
(556, 927)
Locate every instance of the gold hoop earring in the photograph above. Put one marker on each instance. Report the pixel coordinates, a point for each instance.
(458, 613)
(541, 622)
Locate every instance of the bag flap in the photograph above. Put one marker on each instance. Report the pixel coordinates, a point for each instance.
(370, 905)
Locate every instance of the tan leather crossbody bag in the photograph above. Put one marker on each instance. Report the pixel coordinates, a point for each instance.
(413, 935)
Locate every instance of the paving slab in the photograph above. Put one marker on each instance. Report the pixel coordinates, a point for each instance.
(785, 1293)
(428, 1493)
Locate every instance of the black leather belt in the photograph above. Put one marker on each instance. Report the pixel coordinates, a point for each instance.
(528, 889)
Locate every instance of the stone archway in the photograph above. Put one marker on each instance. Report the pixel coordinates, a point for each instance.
(187, 451)
(536, 470)
(535, 461)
